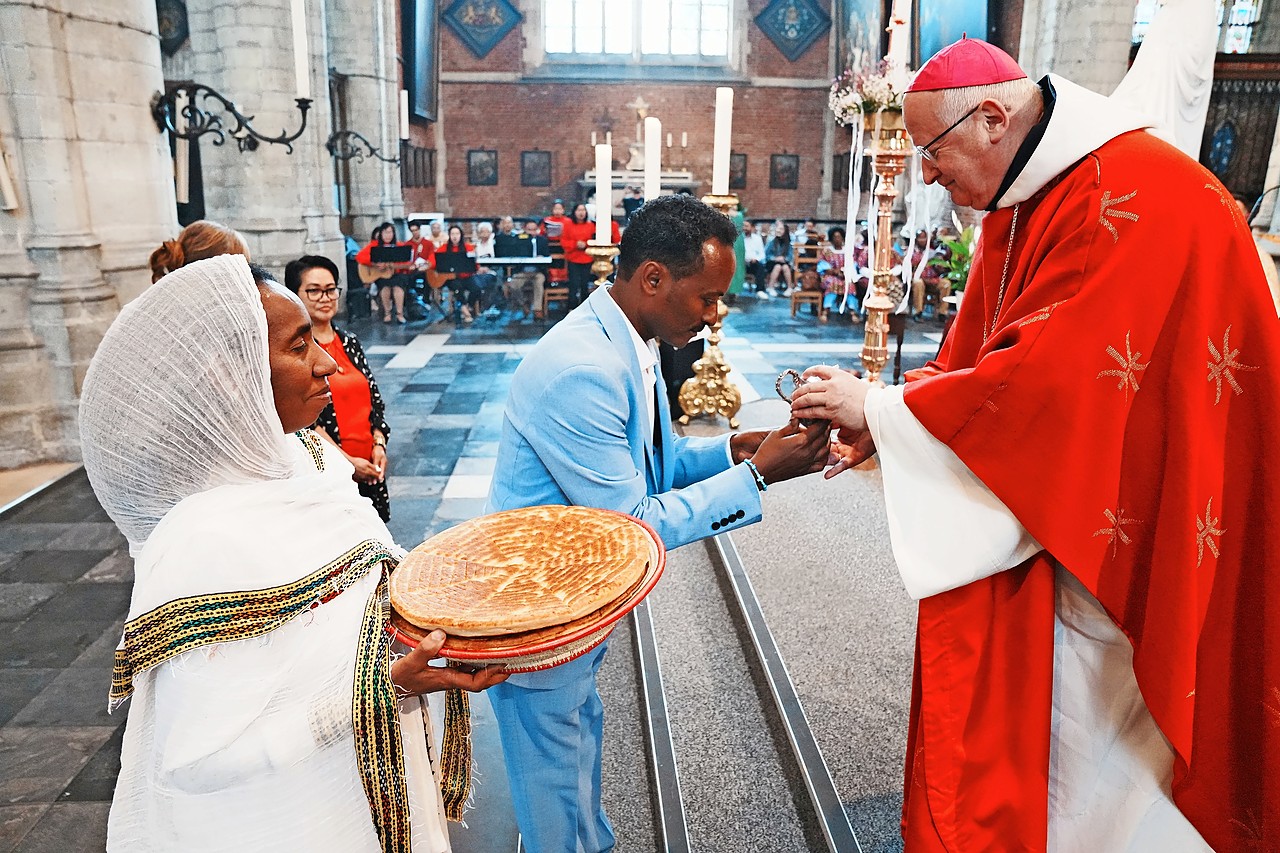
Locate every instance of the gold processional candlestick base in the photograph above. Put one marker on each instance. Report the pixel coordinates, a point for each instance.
(889, 147)
(710, 392)
(602, 266)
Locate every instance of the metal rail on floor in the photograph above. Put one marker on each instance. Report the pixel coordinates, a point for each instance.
(823, 796)
(669, 817)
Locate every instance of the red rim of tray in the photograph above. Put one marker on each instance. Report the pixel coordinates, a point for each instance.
(637, 596)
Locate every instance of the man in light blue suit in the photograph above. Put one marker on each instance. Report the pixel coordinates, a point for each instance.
(588, 424)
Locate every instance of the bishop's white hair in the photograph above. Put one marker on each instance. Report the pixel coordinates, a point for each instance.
(1015, 95)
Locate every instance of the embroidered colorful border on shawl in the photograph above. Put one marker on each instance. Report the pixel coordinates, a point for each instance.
(188, 623)
(311, 441)
(455, 754)
(375, 712)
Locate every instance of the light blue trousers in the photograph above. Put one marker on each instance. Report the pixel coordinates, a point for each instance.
(551, 741)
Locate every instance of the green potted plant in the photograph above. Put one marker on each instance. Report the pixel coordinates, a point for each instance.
(955, 266)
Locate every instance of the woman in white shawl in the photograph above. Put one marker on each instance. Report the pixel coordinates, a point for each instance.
(265, 713)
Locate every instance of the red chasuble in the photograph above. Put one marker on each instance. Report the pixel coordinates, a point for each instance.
(1124, 405)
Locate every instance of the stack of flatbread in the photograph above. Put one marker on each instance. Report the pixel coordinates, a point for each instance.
(526, 588)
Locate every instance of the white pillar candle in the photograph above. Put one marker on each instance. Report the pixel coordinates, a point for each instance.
(404, 114)
(652, 157)
(593, 139)
(301, 56)
(668, 140)
(684, 139)
(8, 195)
(608, 137)
(720, 146)
(181, 151)
(604, 191)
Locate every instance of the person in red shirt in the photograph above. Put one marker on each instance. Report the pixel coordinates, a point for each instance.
(356, 419)
(464, 288)
(551, 228)
(573, 240)
(391, 284)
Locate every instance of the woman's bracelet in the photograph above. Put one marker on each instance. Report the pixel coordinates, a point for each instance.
(755, 472)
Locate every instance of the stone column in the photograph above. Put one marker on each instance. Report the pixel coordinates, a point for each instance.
(281, 202)
(1086, 41)
(74, 89)
(362, 40)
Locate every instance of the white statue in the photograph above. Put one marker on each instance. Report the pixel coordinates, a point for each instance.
(1172, 76)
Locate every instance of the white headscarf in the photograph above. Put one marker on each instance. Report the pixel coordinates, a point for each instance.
(178, 399)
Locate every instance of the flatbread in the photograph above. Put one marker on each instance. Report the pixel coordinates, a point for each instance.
(520, 570)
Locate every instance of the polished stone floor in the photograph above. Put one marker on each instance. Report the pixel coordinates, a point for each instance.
(65, 575)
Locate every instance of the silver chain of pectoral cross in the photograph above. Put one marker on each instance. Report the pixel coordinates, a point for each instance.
(1004, 276)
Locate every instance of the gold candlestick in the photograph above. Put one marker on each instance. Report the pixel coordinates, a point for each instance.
(710, 392)
(889, 147)
(602, 266)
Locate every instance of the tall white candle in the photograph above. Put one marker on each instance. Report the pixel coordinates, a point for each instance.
(181, 151)
(604, 191)
(404, 114)
(684, 139)
(652, 157)
(8, 195)
(720, 147)
(593, 139)
(608, 137)
(301, 55)
(668, 140)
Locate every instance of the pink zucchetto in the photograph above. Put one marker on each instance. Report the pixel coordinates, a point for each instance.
(968, 62)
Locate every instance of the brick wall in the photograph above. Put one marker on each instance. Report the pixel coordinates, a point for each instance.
(524, 114)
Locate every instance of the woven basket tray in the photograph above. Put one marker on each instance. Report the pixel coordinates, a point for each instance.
(546, 647)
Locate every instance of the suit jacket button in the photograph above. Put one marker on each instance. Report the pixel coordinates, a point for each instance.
(715, 525)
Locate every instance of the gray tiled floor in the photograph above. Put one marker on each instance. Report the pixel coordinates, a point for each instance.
(65, 575)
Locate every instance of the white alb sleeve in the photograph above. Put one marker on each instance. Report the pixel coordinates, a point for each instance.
(946, 527)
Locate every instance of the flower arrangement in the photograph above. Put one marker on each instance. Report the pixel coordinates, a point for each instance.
(855, 94)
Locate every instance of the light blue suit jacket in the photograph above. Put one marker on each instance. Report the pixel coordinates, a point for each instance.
(576, 432)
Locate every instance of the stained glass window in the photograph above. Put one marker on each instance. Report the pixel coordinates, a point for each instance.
(1236, 22)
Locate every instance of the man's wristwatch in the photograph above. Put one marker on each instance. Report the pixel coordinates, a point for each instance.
(379, 441)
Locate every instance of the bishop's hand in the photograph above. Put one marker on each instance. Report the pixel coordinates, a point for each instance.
(849, 450)
(831, 394)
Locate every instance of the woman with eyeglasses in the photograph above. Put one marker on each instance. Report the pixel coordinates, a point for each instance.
(355, 421)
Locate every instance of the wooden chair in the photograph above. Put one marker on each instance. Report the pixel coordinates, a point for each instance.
(549, 295)
(806, 266)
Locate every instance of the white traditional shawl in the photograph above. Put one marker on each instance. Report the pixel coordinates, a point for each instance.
(263, 716)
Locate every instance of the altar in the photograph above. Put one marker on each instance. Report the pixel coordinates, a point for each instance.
(671, 182)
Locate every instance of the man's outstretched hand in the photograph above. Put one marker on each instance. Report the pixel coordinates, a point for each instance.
(413, 673)
(792, 451)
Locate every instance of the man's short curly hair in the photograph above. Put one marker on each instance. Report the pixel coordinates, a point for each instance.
(671, 230)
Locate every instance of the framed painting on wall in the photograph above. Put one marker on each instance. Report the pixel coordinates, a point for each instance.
(784, 171)
(737, 171)
(421, 54)
(482, 167)
(535, 168)
(945, 21)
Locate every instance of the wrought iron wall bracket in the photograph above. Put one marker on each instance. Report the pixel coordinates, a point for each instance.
(346, 145)
(200, 118)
